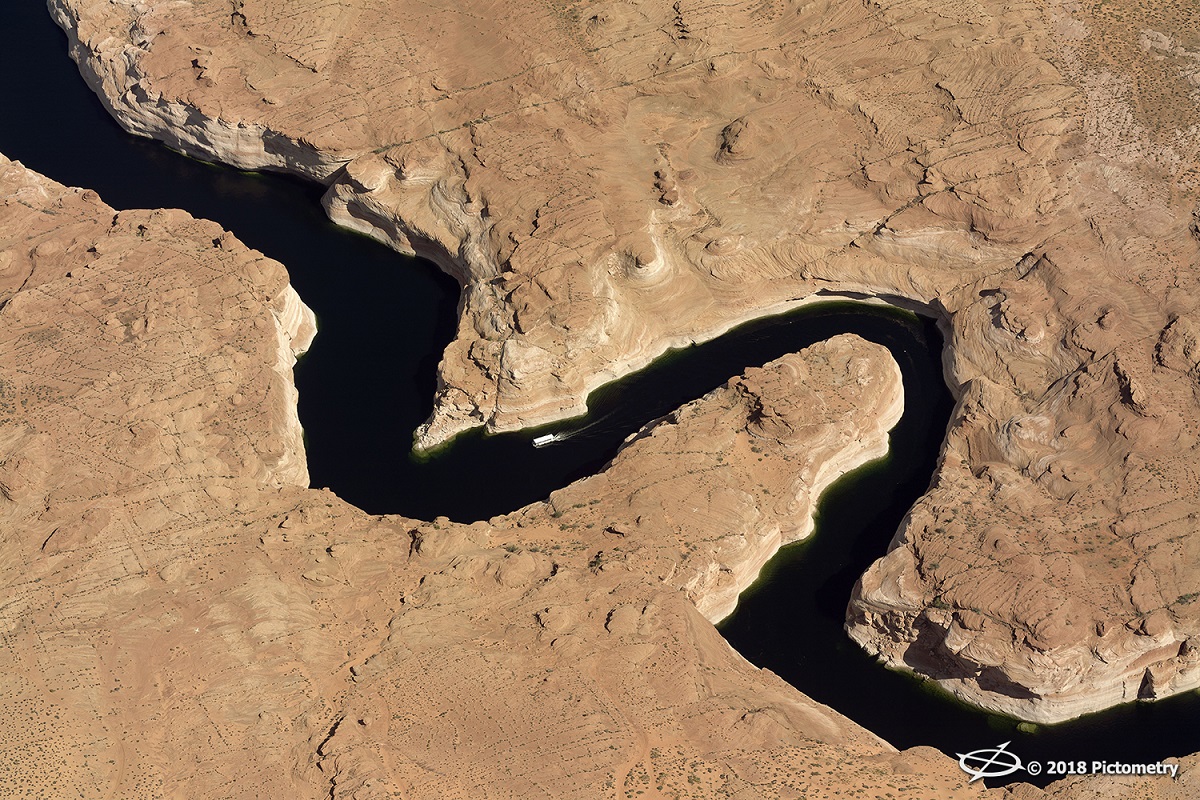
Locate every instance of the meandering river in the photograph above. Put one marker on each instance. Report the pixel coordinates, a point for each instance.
(370, 377)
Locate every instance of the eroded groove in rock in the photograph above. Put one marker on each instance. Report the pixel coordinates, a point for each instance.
(611, 180)
(182, 619)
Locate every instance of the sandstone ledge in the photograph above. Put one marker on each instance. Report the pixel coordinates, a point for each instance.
(611, 184)
(179, 623)
(194, 624)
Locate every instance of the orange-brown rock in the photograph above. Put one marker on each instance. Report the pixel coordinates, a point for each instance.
(707, 526)
(614, 180)
(609, 180)
(182, 617)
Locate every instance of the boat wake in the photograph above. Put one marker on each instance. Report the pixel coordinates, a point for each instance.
(545, 440)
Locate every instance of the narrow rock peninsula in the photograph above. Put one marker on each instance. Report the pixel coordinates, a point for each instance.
(704, 497)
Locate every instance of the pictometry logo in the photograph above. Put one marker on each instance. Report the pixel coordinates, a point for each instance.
(996, 762)
(993, 762)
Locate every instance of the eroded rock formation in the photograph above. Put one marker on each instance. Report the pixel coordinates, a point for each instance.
(770, 441)
(610, 180)
(182, 617)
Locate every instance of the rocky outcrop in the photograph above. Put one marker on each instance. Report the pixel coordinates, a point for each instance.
(608, 181)
(1050, 570)
(113, 67)
(180, 619)
(70, 347)
(737, 474)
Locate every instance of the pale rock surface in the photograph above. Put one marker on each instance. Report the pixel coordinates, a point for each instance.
(813, 417)
(181, 617)
(608, 180)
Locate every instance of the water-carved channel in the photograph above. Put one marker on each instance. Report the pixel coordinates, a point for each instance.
(369, 381)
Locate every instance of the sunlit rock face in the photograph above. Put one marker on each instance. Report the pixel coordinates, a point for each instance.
(611, 180)
(183, 617)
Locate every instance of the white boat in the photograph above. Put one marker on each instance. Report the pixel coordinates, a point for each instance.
(542, 441)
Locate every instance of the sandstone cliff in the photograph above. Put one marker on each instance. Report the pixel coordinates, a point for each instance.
(182, 617)
(610, 180)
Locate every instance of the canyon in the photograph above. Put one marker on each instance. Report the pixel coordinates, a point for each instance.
(184, 617)
(608, 182)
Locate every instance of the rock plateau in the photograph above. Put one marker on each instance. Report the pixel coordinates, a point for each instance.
(606, 181)
(610, 180)
(183, 617)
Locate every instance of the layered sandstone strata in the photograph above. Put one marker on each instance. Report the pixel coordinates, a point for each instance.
(608, 180)
(770, 442)
(182, 617)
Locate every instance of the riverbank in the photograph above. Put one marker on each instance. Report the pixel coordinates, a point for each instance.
(1044, 427)
(159, 567)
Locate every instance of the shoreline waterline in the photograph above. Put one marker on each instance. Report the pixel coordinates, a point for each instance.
(357, 444)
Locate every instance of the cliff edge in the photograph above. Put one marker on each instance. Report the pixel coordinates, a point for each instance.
(610, 180)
